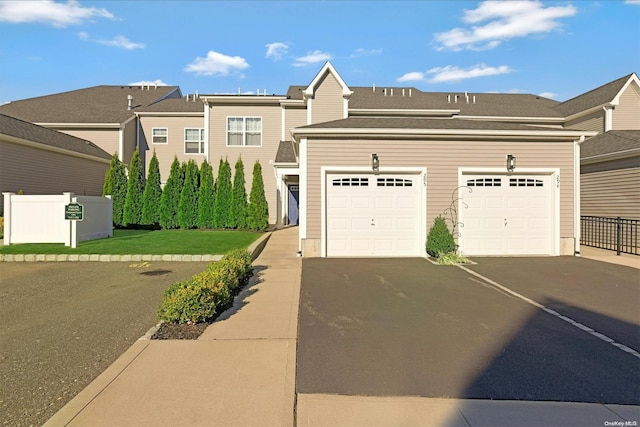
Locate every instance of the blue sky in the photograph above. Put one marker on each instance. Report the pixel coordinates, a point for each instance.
(558, 49)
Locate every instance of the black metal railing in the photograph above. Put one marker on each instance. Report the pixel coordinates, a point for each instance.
(614, 234)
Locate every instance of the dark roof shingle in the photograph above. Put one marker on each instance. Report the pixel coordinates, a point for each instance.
(611, 142)
(594, 98)
(28, 131)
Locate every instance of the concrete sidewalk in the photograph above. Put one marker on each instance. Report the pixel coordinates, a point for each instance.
(241, 372)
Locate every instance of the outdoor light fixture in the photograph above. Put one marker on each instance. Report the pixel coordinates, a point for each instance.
(511, 162)
(375, 162)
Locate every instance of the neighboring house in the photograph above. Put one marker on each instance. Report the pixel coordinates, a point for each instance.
(38, 160)
(365, 170)
(101, 114)
(610, 175)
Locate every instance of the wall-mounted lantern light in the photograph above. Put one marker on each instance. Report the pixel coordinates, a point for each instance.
(375, 162)
(511, 162)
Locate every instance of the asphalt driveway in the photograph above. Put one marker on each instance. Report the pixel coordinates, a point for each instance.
(65, 323)
(406, 327)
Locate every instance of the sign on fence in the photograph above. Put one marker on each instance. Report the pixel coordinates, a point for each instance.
(73, 211)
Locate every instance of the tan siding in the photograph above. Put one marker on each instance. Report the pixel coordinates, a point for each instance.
(442, 159)
(293, 117)
(591, 122)
(129, 141)
(271, 129)
(327, 104)
(611, 189)
(627, 114)
(36, 171)
(175, 145)
(107, 139)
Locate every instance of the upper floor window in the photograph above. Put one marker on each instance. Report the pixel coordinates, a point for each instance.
(244, 131)
(194, 141)
(160, 135)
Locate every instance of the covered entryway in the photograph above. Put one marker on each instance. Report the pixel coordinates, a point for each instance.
(292, 205)
(507, 214)
(372, 215)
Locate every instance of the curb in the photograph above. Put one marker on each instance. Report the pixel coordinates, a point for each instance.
(255, 248)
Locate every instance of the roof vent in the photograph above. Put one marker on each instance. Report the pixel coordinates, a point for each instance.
(374, 87)
(130, 102)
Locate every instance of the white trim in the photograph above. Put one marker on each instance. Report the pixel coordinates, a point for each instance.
(242, 99)
(577, 232)
(555, 179)
(121, 145)
(159, 143)
(244, 131)
(207, 118)
(632, 79)
(409, 170)
(282, 123)
(400, 112)
(302, 202)
(170, 114)
(184, 142)
(327, 68)
(608, 118)
(551, 120)
(309, 112)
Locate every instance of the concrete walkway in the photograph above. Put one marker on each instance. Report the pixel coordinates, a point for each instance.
(241, 372)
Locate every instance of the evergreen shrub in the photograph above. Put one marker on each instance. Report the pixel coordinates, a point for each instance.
(439, 239)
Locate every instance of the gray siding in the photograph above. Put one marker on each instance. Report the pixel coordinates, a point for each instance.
(626, 116)
(591, 122)
(37, 171)
(442, 160)
(328, 103)
(611, 189)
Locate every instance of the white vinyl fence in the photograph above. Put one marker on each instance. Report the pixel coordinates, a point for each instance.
(41, 219)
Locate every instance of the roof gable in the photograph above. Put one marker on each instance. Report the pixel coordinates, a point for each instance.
(326, 69)
(605, 94)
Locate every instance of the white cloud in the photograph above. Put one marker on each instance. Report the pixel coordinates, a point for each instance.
(454, 74)
(414, 76)
(633, 2)
(365, 52)
(312, 58)
(549, 95)
(216, 64)
(49, 12)
(503, 20)
(148, 83)
(118, 41)
(276, 50)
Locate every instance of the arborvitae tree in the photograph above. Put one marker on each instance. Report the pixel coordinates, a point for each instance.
(205, 196)
(115, 185)
(258, 210)
(152, 194)
(188, 206)
(439, 239)
(238, 214)
(171, 196)
(135, 189)
(222, 205)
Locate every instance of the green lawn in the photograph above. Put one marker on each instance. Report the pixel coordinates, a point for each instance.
(154, 242)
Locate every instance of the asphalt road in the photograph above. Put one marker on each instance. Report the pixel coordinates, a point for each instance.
(405, 327)
(65, 323)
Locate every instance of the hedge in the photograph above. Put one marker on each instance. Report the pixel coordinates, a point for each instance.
(198, 299)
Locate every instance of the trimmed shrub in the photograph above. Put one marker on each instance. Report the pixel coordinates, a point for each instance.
(187, 302)
(133, 202)
(222, 205)
(258, 210)
(1, 227)
(238, 215)
(440, 240)
(115, 185)
(188, 205)
(206, 196)
(236, 265)
(152, 194)
(171, 196)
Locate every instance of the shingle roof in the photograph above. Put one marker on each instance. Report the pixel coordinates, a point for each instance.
(186, 104)
(98, 104)
(611, 142)
(16, 128)
(286, 153)
(596, 97)
(422, 123)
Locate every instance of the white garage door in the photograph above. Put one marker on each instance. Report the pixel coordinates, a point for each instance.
(507, 215)
(373, 215)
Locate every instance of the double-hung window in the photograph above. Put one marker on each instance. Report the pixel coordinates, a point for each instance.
(244, 131)
(160, 135)
(194, 141)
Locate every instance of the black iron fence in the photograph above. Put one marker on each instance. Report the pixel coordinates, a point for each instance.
(615, 234)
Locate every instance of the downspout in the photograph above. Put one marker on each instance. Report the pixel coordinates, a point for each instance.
(608, 118)
(207, 116)
(576, 194)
